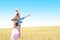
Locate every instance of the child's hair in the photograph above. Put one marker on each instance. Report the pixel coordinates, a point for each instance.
(16, 24)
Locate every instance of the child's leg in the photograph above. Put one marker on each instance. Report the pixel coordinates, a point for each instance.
(19, 30)
(16, 37)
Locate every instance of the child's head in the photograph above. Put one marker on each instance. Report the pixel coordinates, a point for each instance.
(17, 10)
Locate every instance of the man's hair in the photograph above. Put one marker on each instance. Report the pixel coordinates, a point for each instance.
(17, 14)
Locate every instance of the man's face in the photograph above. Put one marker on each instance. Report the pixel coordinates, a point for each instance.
(19, 15)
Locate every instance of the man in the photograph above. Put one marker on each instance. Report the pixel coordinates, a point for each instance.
(17, 20)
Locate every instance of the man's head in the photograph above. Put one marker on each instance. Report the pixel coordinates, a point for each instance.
(18, 15)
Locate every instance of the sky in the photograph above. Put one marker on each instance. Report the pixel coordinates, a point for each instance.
(43, 12)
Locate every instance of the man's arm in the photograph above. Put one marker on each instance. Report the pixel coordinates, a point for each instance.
(25, 17)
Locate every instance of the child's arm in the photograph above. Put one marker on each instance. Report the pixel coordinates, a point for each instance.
(14, 19)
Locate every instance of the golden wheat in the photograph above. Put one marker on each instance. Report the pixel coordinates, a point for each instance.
(38, 33)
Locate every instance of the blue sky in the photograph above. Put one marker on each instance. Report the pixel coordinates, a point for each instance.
(43, 12)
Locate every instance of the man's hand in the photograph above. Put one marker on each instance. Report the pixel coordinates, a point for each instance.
(27, 15)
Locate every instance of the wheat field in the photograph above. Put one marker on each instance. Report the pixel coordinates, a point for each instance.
(34, 33)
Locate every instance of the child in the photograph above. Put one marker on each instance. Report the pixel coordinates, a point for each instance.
(15, 33)
(16, 30)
